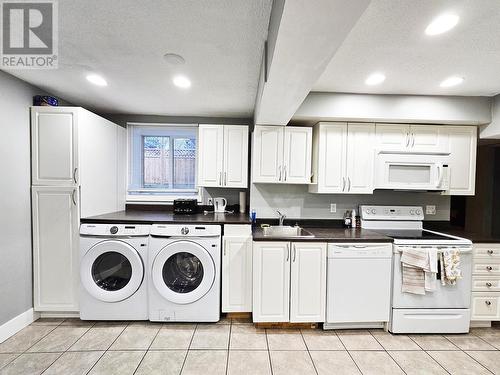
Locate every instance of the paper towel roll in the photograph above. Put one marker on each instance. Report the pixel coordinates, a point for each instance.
(243, 201)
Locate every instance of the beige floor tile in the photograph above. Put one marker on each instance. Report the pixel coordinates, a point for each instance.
(458, 363)
(394, 342)
(291, 363)
(317, 339)
(483, 332)
(469, 342)
(5, 359)
(174, 336)
(433, 342)
(74, 363)
(75, 322)
(211, 337)
(247, 337)
(136, 337)
(48, 322)
(339, 362)
(98, 338)
(358, 340)
(162, 363)
(285, 339)
(118, 363)
(249, 362)
(24, 339)
(205, 362)
(489, 359)
(491, 338)
(59, 340)
(375, 363)
(417, 363)
(30, 364)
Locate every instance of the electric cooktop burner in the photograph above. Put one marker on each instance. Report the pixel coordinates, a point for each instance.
(411, 234)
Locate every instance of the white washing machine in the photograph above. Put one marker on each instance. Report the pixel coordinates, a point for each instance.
(184, 273)
(113, 277)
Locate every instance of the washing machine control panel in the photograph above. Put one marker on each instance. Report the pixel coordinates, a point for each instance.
(111, 230)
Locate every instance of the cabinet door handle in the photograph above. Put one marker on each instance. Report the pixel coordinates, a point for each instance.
(489, 268)
(343, 183)
(225, 244)
(225, 178)
(73, 196)
(279, 169)
(412, 139)
(407, 139)
(490, 252)
(488, 303)
(75, 178)
(294, 252)
(349, 183)
(287, 253)
(489, 285)
(284, 173)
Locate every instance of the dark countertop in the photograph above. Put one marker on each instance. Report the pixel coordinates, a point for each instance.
(150, 217)
(331, 234)
(446, 228)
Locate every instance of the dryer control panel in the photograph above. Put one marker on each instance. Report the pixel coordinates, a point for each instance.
(185, 230)
(115, 230)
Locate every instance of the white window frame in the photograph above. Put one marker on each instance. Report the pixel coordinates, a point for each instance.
(157, 198)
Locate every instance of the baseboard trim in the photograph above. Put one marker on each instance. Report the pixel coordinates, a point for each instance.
(59, 314)
(480, 323)
(17, 323)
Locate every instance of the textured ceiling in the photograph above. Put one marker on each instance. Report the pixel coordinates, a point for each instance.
(389, 37)
(221, 41)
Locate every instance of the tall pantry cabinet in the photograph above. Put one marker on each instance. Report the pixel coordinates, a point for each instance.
(78, 170)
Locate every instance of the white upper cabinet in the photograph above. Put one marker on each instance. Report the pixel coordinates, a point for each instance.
(308, 282)
(54, 146)
(360, 158)
(463, 148)
(411, 138)
(282, 154)
(343, 158)
(223, 156)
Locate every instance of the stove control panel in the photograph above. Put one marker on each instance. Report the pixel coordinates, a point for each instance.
(400, 213)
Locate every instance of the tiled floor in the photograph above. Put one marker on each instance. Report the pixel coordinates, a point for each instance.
(68, 347)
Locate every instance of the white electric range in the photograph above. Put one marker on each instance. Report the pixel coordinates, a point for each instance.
(445, 310)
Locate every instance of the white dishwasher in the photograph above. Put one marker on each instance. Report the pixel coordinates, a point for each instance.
(359, 279)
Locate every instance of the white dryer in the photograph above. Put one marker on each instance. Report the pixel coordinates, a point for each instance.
(184, 273)
(113, 278)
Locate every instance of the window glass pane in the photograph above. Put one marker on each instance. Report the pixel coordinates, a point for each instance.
(156, 168)
(184, 163)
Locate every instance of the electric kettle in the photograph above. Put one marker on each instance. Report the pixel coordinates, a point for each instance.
(220, 204)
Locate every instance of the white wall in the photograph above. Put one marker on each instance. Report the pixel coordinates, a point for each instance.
(492, 130)
(322, 106)
(15, 203)
(297, 203)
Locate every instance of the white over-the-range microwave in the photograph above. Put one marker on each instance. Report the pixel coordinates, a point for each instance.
(412, 171)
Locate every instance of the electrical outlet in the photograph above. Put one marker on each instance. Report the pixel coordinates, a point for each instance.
(430, 210)
(333, 208)
(210, 202)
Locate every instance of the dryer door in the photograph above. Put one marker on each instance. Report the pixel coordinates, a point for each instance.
(183, 272)
(112, 271)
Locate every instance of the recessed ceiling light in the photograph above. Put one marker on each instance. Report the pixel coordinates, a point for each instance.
(375, 79)
(182, 82)
(442, 24)
(452, 81)
(174, 59)
(96, 80)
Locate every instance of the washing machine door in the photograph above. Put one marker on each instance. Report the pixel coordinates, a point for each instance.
(112, 271)
(183, 272)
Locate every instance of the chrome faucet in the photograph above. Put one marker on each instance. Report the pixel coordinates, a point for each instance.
(281, 217)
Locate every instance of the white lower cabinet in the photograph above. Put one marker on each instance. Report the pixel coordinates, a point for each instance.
(485, 303)
(289, 282)
(55, 248)
(237, 268)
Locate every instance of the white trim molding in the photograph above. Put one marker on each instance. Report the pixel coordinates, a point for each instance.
(17, 323)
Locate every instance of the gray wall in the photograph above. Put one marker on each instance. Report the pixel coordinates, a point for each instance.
(15, 207)
(297, 203)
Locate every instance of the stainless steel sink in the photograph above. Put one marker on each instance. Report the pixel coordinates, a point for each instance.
(285, 231)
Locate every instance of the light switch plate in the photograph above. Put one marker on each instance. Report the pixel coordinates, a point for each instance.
(430, 210)
(333, 208)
